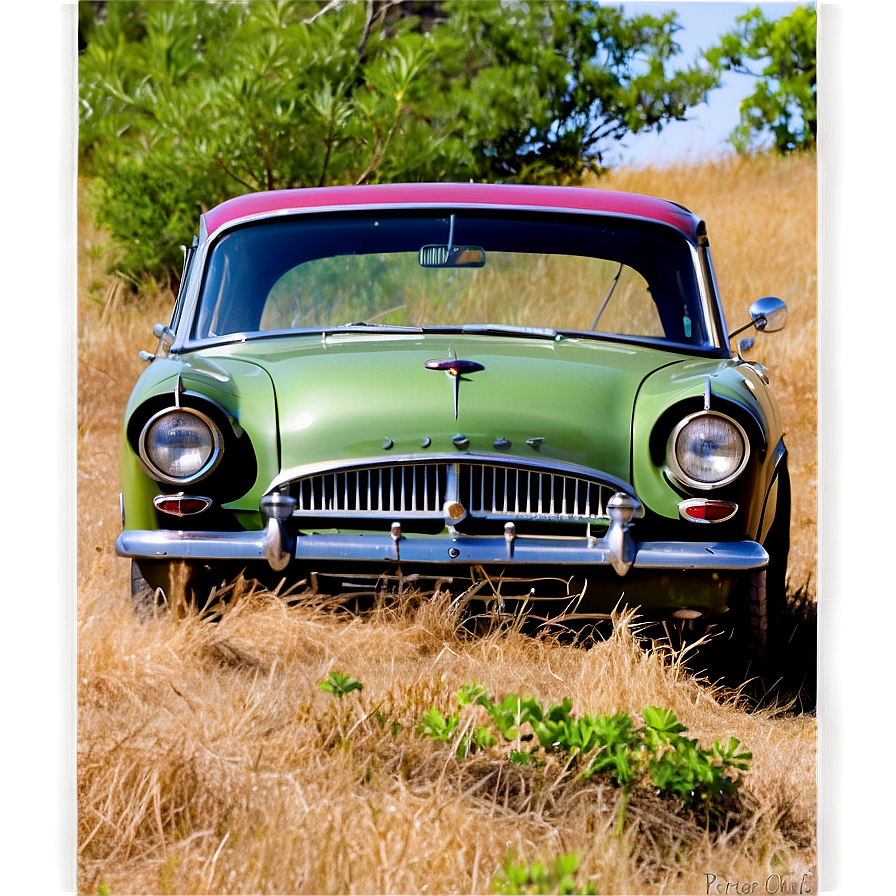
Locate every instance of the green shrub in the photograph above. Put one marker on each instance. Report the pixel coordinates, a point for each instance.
(656, 754)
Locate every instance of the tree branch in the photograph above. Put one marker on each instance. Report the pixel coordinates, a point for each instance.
(220, 163)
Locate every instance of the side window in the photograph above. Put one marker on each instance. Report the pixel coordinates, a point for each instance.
(627, 307)
(189, 255)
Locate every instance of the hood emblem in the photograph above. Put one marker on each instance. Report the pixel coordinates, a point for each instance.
(455, 368)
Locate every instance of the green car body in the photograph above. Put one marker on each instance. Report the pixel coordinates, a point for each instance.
(555, 446)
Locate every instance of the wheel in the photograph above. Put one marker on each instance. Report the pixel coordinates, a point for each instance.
(764, 595)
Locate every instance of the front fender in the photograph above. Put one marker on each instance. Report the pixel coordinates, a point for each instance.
(675, 391)
(241, 390)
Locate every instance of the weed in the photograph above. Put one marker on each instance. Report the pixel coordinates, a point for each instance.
(339, 684)
(434, 724)
(558, 877)
(656, 753)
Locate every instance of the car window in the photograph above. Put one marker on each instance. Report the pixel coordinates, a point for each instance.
(563, 272)
(549, 291)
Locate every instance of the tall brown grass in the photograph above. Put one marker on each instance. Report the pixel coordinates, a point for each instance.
(209, 761)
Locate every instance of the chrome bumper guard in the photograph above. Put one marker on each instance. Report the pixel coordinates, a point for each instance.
(173, 545)
(279, 547)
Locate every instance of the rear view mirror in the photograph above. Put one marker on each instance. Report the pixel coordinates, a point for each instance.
(451, 257)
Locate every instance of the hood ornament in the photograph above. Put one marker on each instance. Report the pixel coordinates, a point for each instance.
(455, 368)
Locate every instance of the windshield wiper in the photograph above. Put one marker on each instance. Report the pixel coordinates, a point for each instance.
(365, 325)
(509, 330)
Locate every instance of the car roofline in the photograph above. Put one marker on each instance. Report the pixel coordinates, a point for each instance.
(382, 197)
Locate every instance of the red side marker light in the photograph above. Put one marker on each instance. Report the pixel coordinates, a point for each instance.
(703, 510)
(181, 505)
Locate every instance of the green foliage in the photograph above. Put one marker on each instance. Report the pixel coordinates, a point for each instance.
(782, 108)
(434, 724)
(558, 877)
(656, 754)
(184, 104)
(678, 766)
(539, 90)
(339, 684)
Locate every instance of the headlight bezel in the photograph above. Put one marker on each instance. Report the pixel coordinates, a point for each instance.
(685, 478)
(207, 468)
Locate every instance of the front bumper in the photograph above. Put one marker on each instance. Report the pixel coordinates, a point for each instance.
(169, 544)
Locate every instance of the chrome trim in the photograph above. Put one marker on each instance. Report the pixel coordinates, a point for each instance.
(509, 538)
(278, 544)
(681, 476)
(623, 510)
(170, 544)
(207, 468)
(491, 487)
(714, 301)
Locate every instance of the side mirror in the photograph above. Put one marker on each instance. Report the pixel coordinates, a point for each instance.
(769, 314)
(164, 334)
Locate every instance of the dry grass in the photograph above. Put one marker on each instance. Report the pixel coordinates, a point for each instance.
(210, 761)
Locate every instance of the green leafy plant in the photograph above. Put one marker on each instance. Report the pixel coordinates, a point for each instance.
(434, 724)
(339, 684)
(678, 766)
(656, 754)
(557, 877)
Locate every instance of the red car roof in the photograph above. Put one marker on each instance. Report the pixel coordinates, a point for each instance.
(586, 199)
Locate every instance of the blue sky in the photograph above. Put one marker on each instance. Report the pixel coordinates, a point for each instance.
(710, 124)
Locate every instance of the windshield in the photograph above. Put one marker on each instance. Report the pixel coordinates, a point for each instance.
(452, 269)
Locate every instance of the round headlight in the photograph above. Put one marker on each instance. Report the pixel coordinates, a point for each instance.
(707, 450)
(180, 445)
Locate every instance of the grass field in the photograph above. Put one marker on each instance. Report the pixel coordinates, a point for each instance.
(209, 760)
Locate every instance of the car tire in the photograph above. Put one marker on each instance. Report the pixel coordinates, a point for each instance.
(764, 593)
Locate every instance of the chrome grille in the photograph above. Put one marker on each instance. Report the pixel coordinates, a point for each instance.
(410, 490)
(514, 493)
(419, 490)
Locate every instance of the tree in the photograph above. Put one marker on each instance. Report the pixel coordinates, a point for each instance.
(782, 108)
(186, 103)
(542, 89)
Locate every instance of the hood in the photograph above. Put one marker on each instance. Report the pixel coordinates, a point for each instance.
(351, 396)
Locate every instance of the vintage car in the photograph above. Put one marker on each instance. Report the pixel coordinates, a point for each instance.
(519, 391)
